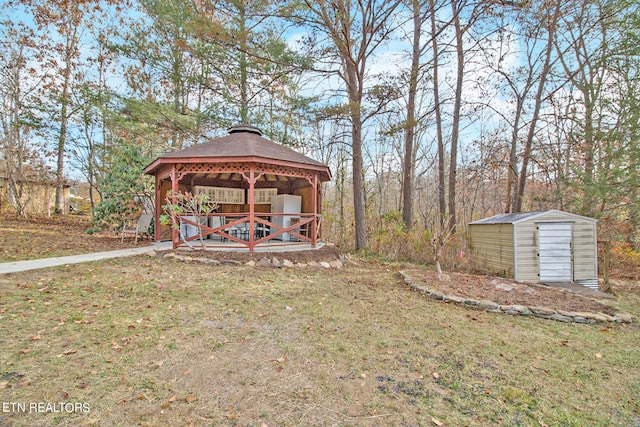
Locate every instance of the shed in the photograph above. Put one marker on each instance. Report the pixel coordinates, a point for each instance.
(546, 246)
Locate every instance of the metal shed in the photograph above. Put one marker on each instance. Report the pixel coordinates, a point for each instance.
(544, 246)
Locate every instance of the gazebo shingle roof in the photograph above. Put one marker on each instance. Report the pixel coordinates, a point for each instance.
(242, 142)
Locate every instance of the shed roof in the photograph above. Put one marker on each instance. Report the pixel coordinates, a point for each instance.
(514, 218)
(242, 142)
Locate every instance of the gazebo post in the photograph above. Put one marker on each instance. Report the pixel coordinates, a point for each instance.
(314, 223)
(156, 214)
(175, 238)
(319, 198)
(252, 209)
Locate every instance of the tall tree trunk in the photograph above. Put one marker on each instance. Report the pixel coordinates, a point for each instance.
(455, 126)
(512, 169)
(64, 120)
(354, 89)
(442, 201)
(522, 180)
(411, 124)
(356, 30)
(244, 86)
(589, 143)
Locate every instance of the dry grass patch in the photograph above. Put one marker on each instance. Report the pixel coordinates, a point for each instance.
(149, 342)
(42, 237)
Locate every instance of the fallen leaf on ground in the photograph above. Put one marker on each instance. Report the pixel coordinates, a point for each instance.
(233, 416)
(190, 399)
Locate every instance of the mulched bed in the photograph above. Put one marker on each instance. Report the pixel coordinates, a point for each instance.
(508, 292)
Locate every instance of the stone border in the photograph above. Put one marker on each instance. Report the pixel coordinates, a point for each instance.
(543, 312)
(264, 262)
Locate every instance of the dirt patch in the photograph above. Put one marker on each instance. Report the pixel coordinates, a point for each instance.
(325, 253)
(508, 292)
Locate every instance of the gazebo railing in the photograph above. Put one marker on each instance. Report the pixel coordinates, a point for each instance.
(239, 228)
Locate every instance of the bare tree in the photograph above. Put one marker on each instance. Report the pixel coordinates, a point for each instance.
(354, 31)
(65, 18)
(442, 204)
(552, 15)
(408, 167)
(18, 95)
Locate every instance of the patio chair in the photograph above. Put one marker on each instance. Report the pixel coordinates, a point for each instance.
(215, 222)
(302, 229)
(260, 230)
(140, 228)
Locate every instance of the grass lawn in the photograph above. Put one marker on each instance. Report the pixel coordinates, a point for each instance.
(147, 341)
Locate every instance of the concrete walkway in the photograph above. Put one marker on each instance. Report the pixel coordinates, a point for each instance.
(34, 264)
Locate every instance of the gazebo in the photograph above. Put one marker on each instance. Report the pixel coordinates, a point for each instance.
(266, 194)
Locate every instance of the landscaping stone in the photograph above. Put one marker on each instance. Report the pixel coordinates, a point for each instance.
(606, 317)
(275, 263)
(560, 318)
(264, 262)
(287, 263)
(545, 311)
(538, 311)
(488, 304)
(337, 264)
(580, 319)
(454, 298)
(504, 286)
(324, 264)
(515, 309)
(567, 313)
(624, 317)
(436, 294)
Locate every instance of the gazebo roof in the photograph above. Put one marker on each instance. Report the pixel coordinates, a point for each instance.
(243, 143)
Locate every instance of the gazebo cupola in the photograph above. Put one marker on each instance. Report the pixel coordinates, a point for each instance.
(248, 176)
(244, 128)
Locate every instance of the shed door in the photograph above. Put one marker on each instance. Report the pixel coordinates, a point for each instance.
(554, 252)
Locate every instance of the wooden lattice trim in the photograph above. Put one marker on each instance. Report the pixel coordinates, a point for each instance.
(244, 169)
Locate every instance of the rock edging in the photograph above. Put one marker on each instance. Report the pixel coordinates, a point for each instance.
(272, 262)
(521, 310)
